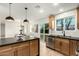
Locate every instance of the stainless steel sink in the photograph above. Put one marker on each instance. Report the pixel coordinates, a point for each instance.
(63, 36)
(67, 36)
(60, 35)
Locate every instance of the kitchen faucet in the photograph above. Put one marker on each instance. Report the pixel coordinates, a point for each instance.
(63, 33)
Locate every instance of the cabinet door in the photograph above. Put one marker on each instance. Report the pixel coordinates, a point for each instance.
(33, 47)
(65, 46)
(57, 44)
(51, 21)
(23, 49)
(72, 47)
(7, 52)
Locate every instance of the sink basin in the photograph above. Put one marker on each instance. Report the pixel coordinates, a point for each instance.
(68, 36)
(60, 35)
(63, 36)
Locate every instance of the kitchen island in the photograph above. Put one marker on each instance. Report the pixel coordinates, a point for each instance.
(14, 47)
(66, 45)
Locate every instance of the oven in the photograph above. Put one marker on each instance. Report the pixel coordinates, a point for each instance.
(50, 41)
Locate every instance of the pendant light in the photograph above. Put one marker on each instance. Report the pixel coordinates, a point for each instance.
(26, 16)
(10, 18)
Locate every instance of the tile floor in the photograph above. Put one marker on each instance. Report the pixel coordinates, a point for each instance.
(48, 52)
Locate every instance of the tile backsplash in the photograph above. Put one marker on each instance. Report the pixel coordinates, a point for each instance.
(74, 33)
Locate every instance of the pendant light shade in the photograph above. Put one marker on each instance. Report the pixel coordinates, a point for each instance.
(26, 18)
(9, 17)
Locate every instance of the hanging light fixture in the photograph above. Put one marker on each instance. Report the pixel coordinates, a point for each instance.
(9, 17)
(26, 16)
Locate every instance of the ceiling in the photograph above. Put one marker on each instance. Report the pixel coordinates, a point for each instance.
(33, 14)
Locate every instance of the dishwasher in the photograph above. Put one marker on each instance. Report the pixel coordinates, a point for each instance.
(50, 42)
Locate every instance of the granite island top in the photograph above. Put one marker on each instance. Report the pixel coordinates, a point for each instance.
(9, 41)
(65, 37)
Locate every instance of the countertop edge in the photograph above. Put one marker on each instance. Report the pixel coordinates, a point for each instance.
(66, 37)
(17, 42)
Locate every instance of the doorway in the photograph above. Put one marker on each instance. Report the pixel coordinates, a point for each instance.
(44, 31)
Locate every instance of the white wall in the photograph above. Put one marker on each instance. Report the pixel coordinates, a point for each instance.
(12, 28)
(39, 22)
(0, 29)
(32, 33)
(75, 32)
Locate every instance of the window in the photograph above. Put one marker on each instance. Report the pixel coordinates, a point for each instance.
(67, 23)
(45, 28)
(70, 23)
(59, 24)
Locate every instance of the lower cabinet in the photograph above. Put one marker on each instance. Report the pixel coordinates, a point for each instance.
(33, 47)
(65, 46)
(57, 44)
(28, 48)
(23, 49)
(73, 47)
(7, 52)
(62, 45)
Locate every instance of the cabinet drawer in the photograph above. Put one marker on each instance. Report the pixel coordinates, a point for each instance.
(33, 47)
(5, 47)
(7, 52)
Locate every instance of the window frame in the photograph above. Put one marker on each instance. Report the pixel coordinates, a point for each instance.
(64, 23)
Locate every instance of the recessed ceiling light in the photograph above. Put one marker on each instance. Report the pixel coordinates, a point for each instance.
(37, 6)
(41, 11)
(61, 10)
(55, 4)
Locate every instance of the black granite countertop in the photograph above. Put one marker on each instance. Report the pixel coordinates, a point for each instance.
(65, 37)
(9, 41)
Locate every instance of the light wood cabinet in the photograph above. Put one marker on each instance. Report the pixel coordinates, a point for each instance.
(57, 44)
(62, 45)
(65, 46)
(27, 48)
(33, 47)
(73, 47)
(23, 49)
(52, 22)
(7, 52)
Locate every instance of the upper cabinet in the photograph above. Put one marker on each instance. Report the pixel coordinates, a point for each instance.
(78, 17)
(51, 22)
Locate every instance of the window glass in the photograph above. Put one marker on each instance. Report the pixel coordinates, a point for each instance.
(67, 23)
(59, 24)
(70, 23)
